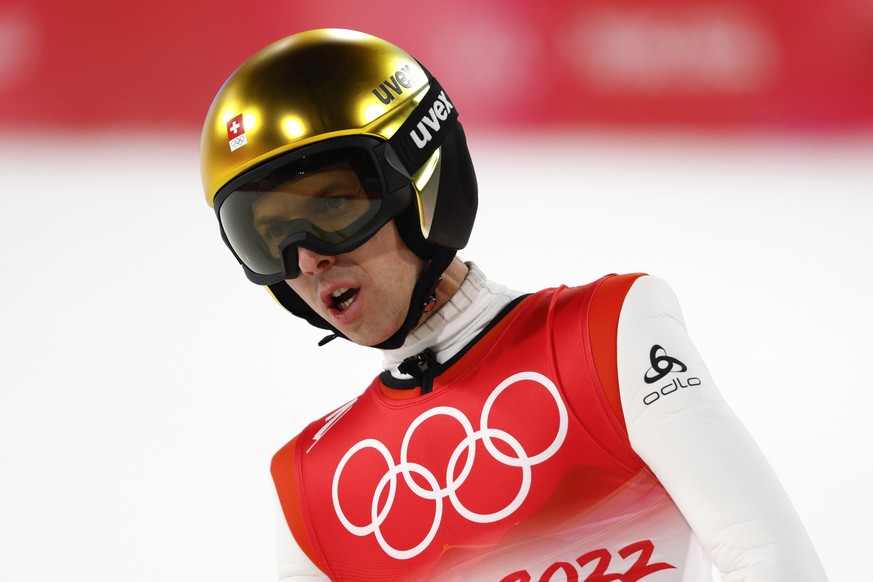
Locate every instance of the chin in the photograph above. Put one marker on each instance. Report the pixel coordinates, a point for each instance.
(371, 338)
(370, 343)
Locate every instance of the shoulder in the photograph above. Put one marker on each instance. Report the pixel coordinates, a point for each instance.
(628, 299)
(611, 291)
(650, 297)
(604, 297)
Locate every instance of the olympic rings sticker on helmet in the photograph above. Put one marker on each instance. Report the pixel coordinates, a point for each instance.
(330, 198)
(454, 479)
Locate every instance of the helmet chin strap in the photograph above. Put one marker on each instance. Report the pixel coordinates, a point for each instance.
(423, 298)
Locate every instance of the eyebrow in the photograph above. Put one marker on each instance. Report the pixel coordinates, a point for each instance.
(262, 220)
(280, 215)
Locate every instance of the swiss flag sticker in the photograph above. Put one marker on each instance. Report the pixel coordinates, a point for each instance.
(236, 133)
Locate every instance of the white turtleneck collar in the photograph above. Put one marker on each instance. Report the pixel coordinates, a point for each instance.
(456, 323)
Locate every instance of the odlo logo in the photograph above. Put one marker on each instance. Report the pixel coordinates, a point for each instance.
(403, 78)
(662, 364)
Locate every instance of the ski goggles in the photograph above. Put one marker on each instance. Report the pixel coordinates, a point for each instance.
(330, 197)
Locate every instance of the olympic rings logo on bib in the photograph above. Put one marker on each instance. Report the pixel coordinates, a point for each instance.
(436, 493)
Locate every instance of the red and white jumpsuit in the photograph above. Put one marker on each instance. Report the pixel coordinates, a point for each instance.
(570, 434)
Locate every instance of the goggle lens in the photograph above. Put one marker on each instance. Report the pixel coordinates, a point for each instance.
(327, 201)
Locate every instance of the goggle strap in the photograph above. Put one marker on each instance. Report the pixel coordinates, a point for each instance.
(424, 131)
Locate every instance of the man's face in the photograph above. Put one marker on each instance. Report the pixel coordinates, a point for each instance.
(330, 199)
(363, 293)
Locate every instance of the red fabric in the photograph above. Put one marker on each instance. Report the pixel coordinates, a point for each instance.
(284, 472)
(603, 333)
(558, 478)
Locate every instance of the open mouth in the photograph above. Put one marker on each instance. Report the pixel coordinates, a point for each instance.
(341, 298)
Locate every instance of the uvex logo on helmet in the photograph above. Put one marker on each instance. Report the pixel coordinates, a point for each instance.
(438, 112)
(402, 78)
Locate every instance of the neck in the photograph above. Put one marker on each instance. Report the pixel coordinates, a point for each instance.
(467, 306)
(451, 281)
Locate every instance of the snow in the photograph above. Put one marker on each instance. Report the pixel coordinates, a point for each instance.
(145, 384)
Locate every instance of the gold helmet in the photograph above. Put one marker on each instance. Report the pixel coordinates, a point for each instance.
(317, 97)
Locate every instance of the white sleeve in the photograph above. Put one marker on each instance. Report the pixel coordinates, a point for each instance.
(681, 427)
(292, 564)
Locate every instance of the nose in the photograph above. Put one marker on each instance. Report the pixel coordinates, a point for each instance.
(311, 262)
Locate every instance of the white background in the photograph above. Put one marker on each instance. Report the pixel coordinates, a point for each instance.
(145, 384)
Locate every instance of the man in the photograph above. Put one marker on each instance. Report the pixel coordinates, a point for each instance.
(573, 433)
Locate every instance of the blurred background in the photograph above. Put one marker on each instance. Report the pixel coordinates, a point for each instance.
(724, 145)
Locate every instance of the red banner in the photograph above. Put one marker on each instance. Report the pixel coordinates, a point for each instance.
(629, 63)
